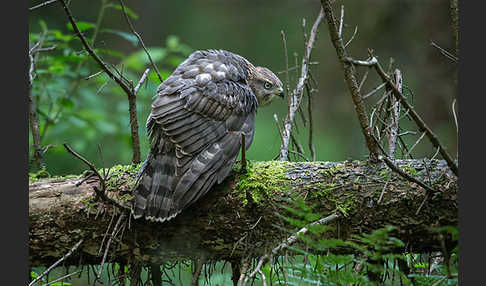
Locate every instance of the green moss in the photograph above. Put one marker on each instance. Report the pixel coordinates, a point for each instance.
(40, 174)
(43, 174)
(410, 170)
(117, 175)
(262, 180)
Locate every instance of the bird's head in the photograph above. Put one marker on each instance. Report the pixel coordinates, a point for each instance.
(265, 85)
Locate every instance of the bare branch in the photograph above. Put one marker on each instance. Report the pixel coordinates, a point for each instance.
(132, 110)
(418, 120)
(94, 75)
(309, 112)
(395, 114)
(42, 4)
(56, 263)
(296, 95)
(101, 193)
(352, 37)
(63, 277)
(140, 40)
(142, 80)
(455, 22)
(350, 76)
(373, 91)
(341, 22)
(445, 53)
(88, 48)
(112, 236)
(416, 142)
(454, 113)
(33, 115)
(403, 100)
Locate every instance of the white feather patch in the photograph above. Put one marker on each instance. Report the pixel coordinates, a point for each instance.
(208, 67)
(203, 78)
(219, 75)
(223, 68)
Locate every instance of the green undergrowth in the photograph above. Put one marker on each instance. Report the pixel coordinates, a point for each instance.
(44, 174)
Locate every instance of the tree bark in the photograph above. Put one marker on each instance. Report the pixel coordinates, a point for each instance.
(239, 216)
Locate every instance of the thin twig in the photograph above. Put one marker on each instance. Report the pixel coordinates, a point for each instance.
(102, 86)
(309, 112)
(415, 144)
(352, 37)
(93, 75)
(383, 191)
(298, 91)
(101, 193)
(373, 91)
(394, 118)
(444, 52)
(140, 40)
(57, 262)
(106, 233)
(392, 166)
(455, 116)
(42, 4)
(142, 80)
(341, 22)
(63, 277)
(284, 41)
(112, 236)
(290, 240)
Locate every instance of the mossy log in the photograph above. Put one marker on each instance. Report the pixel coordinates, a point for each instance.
(240, 215)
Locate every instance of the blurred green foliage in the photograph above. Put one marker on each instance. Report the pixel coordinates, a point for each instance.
(78, 106)
(85, 113)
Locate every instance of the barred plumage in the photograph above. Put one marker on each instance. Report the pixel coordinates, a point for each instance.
(195, 129)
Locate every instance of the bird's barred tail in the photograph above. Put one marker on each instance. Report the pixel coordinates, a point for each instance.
(152, 194)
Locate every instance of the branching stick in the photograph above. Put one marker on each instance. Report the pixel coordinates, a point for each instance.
(296, 95)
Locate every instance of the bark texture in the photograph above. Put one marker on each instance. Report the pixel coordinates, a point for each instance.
(239, 217)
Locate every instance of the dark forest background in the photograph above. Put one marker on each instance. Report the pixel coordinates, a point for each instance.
(74, 113)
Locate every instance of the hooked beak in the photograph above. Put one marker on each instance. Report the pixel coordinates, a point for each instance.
(281, 94)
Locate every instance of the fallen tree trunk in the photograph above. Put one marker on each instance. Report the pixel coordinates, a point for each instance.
(239, 216)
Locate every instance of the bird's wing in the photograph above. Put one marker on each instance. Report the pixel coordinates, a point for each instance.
(202, 108)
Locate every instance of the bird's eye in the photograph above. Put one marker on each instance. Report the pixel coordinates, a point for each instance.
(267, 85)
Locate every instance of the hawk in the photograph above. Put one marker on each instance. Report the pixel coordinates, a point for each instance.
(195, 127)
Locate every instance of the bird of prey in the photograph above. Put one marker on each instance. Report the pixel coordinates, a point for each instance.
(195, 128)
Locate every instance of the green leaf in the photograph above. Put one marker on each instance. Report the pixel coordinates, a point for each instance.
(43, 25)
(119, 8)
(139, 60)
(82, 26)
(127, 36)
(60, 36)
(112, 53)
(172, 42)
(65, 102)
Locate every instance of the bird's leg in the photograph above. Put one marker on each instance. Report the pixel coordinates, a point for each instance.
(243, 153)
